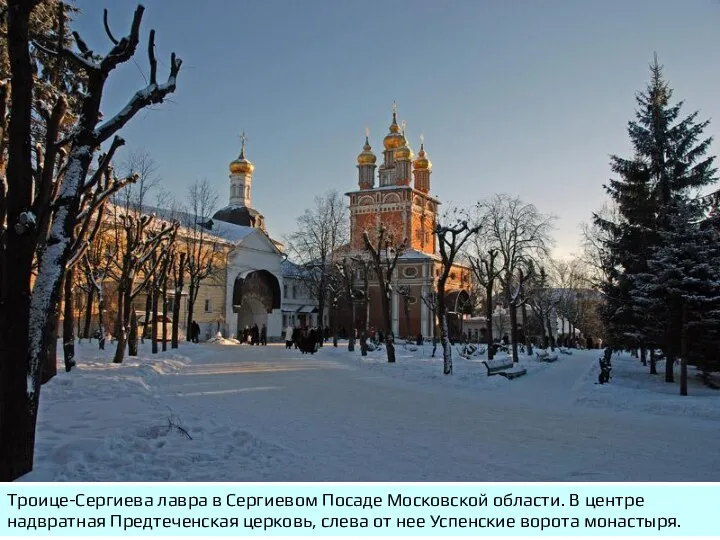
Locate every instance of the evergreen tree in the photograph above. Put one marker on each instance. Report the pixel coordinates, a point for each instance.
(669, 164)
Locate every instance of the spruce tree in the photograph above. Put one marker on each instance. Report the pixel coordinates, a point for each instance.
(668, 166)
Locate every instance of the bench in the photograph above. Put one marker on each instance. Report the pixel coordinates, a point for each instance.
(504, 367)
(544, 356)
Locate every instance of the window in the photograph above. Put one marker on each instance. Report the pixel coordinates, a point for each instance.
(208, 305)
(284, 291)
(410, 272)
(294, 290)
(170, 305)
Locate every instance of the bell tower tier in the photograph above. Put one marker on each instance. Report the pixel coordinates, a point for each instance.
(241, 171)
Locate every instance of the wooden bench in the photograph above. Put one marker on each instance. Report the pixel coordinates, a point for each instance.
(504, 367)
(544, 356)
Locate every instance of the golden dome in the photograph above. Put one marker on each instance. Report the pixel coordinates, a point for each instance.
(394, 139)
(242, 165)
(422, 162)
(404, 153)
(366, 157)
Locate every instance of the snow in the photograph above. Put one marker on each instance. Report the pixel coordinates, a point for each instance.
(231, 412)
(231, 232)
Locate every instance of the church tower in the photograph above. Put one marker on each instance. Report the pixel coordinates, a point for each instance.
(366, 165)
(239, 211)
(422, 170)
(241, 171)
(405, 207)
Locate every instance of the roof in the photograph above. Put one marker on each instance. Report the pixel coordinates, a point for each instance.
(415, 254)
(237, 215)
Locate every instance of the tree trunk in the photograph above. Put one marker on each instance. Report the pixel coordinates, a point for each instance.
(191, 308)
(154, 327)
(387, 319)
(86, 333)
(643, 356)
(123, 315)
(669, 366)
(17, 416)
(321, 310)
(49, 365)
(164, 327)
(351, 336)
(488, 322)
(513, 331)
(653, 362)
(148, 310)
(550, 337)
(683, 355)
(176, 319)
(133, 334)
(528, 344)
(101, 320)
(441, 309)
(363, 343)
(69, 321)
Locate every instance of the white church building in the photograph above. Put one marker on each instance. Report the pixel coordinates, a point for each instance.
(261, 286)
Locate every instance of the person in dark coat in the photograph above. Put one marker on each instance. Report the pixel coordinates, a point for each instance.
(263, 335)
(255, 335)
(296, 337)
(195, 332)
(313, 337)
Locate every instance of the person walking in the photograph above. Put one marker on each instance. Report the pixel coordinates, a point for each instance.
(289, 331)
(263, 335)
(255, 335)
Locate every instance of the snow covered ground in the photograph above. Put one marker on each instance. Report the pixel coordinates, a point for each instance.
(228, 412)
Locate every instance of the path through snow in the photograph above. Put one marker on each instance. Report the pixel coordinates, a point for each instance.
(267, 414)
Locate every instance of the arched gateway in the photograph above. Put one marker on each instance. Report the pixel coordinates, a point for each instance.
(254, 297)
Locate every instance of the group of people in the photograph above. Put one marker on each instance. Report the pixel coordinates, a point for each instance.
(254, 335)
(305, 339)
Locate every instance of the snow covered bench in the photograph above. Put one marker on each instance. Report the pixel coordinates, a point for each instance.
(504, 367)
(544, 356)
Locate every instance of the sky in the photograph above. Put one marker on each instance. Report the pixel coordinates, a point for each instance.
(522, 97)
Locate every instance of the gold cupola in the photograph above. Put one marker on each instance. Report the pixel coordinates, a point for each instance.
(404, 152)
(394, 139)
(241, 165)
(366, 157)
(422, 162)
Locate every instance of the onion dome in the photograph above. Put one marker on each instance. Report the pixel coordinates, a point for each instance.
(242, 165)
(394, 139)
(422, 162)
(366, 157)
(404, 153)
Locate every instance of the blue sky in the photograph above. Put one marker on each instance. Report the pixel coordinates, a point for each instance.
(526, 97)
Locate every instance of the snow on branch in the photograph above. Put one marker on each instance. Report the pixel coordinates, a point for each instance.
(151, 94)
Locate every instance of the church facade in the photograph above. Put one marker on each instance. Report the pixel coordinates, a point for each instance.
(397, 195)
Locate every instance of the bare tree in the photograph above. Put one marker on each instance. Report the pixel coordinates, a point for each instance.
(90, 222)
(26, 335)
(520, 234)
(177, 267)
(483, 261)
(384, 256)
(543, 300)
(158, 286)
(453, 232)
(139, 163)
(199, 245)
(321, 231)
(139, 242)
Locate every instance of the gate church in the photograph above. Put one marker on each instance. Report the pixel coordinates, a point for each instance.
(254, 272)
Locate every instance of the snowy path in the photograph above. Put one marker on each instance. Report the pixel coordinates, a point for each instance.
(338, 422)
